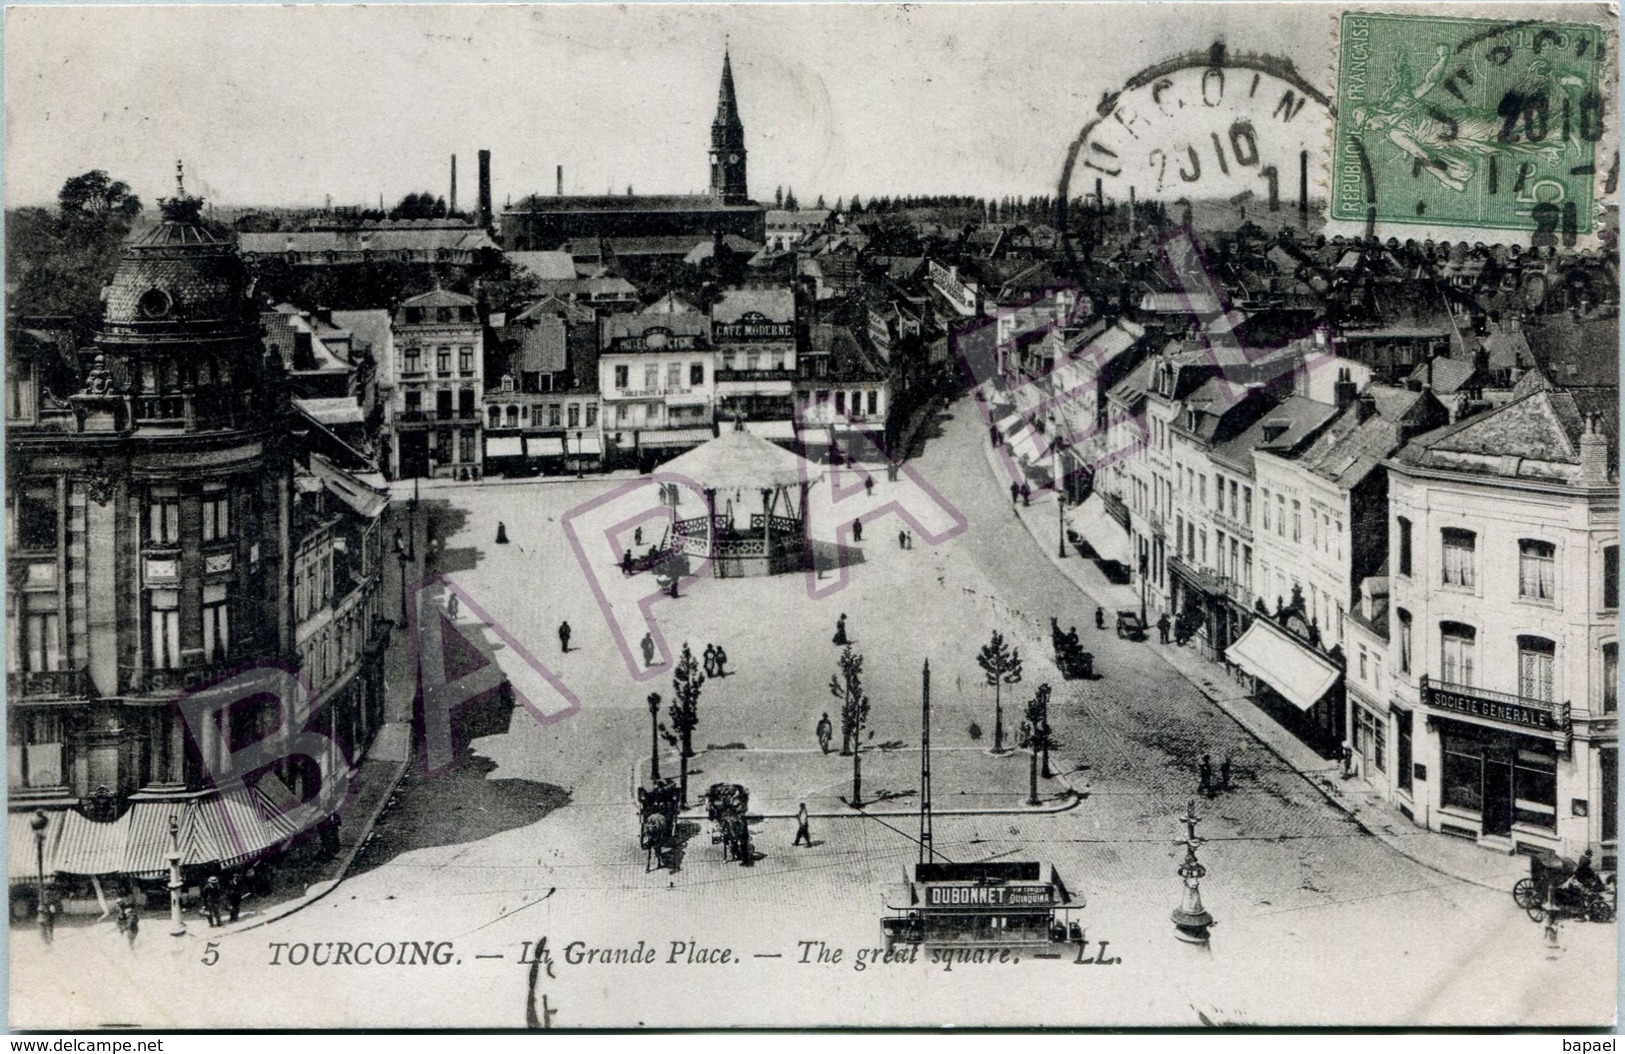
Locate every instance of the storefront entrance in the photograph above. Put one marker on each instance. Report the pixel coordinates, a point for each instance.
(1503, 777)
(1497, 793)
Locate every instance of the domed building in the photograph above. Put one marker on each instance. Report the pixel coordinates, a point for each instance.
(168, 526)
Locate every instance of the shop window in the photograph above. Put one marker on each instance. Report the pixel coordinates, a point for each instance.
(1404, 534)
(36, 744)
(1537, 569)
(1536, 657)
(1610, 577)
(696, 374)
(1402, 748)
(1458, 644)
(1459, 554)
(465, 447)
(1461, 777)
(1534, 784)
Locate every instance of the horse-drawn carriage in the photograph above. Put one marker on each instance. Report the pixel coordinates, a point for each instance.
(657, 824)
(726, 805)
(1560, 884)
(1070, 658)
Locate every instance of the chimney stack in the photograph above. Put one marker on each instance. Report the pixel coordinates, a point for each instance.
(453, 183)
(1344, 390)
(485, 189)
(1593, 454)
(558, 182)
(1365, 407)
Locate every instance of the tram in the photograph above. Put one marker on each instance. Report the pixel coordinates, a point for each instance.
(994, 904)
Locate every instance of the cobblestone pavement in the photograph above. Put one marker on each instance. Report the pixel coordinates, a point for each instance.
(1318, 921)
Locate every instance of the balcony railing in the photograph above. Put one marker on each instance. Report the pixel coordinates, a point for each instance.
(49, 684)
(1115, 508)
(1501, 707)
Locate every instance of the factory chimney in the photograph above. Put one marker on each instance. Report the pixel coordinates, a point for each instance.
(454, 184)
(558, 182)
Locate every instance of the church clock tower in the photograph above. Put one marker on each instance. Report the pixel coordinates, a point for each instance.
(728, 144)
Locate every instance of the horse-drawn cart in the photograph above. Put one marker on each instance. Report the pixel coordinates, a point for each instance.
(726, 805)
(657, 824)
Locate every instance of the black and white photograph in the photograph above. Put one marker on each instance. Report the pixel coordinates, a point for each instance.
(811, 516)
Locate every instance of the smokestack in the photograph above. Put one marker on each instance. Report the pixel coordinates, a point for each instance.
(1303, 185)
(1343, 390)
(485, 189)
(454, 183)
(558, 182)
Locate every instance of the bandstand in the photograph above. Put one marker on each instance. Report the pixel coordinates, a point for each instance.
(733, 471)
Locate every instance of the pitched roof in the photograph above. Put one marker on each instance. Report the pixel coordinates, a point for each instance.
(1536, 436)
(465, 239)
(626, 203)
(439, 298)
(555, 264)
(369, 326)
(738, 459)
(776, 303)
(1283, 430)
(1576, 352)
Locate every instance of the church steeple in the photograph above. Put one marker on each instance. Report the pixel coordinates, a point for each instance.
(728, 142)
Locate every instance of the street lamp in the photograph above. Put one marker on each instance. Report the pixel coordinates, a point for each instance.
(39, 823)
(1191, 920)
(580, 453)
(654, 736)
(177, 928)
(403, 552)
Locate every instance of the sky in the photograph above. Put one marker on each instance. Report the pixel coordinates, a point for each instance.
(285, 105)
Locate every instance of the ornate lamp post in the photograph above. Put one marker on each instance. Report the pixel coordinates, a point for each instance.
(403, 552)
(177, 928)
(580, 453)
(1191, 920)
(38, 824)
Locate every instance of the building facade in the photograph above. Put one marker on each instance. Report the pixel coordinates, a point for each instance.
(436, 416)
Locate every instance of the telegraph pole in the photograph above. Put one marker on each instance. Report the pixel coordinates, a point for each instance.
(928, 852)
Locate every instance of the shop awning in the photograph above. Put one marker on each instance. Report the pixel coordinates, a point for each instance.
(587, 446)
(544, 446)
(1105, 535)
(1298, 674)
(146, 849)
(20, 851)
(504, 446)
(91, 848)
(772, 429)
(1030, 445)
(239, 824)
(674, 437)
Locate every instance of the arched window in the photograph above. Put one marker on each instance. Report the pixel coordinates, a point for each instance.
(496, 417)
(513, 417)
(1537, 569)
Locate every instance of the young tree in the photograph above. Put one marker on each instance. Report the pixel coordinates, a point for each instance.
(847, 686)
(790, 201)
(1002, 665)
(1036, 737)
(684, 714)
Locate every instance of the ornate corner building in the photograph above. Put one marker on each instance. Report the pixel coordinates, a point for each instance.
(167, 527)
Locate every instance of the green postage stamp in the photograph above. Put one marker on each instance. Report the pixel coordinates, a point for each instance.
(1470, 129)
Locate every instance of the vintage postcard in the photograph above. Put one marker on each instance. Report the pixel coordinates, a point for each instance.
(811, 516)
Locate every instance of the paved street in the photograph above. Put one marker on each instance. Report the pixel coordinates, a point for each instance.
(532, 834)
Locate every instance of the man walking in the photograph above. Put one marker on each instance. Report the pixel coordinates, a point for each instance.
(710, 662)
(857, 530)
(840, 631)
(1015, 493)
(648, 650)
(234, 894)
(213, 896)
(868, 490)
(826, 732)
(803, 832)
(720, 661)
(1162, 627)
(902, 539)
(129, 921)
(564, 636)
(1205, 777)
(1224, 773)
(1100, 617)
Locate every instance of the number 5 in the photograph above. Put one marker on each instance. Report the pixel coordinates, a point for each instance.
(211, 953)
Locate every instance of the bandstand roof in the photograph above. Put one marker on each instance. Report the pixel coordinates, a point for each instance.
(741, 460)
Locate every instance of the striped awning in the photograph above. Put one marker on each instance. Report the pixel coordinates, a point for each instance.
(239, 824)
(675, 437)
(21, 862)
(146, 849)
(544, 446)
(91, 848)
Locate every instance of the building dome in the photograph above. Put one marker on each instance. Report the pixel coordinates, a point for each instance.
(177, 281)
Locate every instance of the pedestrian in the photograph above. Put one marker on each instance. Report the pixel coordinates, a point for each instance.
(1348, 760)
(564, 636)
(626, 562)
(710, 660)
(129, 921)
(891, 473)
(1224, 773)
(826, 732)
(648, 650)
(213, 900)
(452, 606)
(502, 533)
(803, 832)
(1100, 617)
(840, 631)
(1162, 627)
(637, 536)
(1015, 492)
(722, 660)
(1205, 777)
(47, 915)
(869, 486)
(993, 435)
(1026, 495)
(857, 530)
(908, 539)
(902, 539)
(234, 894)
